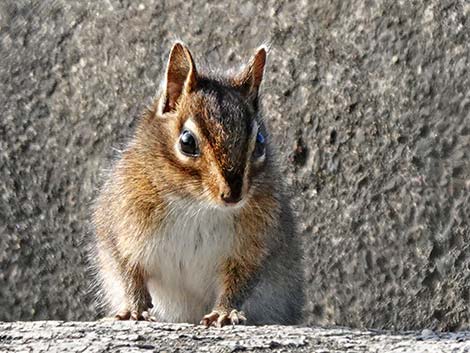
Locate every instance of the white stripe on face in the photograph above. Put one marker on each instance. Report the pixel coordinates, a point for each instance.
(190, 125)
(251, 147)
(253, 137)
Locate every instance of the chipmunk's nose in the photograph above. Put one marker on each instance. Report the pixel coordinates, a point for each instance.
(232, 192)
(229, 198)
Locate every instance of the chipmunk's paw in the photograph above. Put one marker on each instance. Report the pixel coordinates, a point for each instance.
(138, 310)
(219, 318)
(134, 315)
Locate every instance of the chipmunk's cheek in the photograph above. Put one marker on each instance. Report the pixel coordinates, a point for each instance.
(211, 190)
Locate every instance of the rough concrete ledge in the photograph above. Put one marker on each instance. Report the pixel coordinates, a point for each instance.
(110, 336)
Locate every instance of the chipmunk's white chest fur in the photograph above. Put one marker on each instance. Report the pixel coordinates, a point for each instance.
(183, 261)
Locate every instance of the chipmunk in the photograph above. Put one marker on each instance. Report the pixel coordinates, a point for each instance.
(192, 224)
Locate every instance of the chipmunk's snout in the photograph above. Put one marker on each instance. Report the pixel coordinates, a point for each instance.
(230, 198)
(231, 192)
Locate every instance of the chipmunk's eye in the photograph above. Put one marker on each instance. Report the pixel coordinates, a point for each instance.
(188, 144)
(259, 150)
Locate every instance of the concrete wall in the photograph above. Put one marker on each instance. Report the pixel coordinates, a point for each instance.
(369, 102)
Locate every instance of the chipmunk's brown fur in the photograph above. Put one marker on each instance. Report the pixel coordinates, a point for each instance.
(182, 235)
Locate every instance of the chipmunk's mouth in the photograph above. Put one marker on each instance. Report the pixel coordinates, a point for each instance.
(233, 205)
(230, 200)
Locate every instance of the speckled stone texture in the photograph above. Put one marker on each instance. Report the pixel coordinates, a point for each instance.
(100, 337)
(369, 102)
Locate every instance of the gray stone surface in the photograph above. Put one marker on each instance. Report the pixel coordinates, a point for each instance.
(369, 102)
(57, 336)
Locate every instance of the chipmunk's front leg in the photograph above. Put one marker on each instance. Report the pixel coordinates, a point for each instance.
(237, 278)
(138, 299)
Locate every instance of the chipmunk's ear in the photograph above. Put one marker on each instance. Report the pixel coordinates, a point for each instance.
(181, 77)
(249, 79)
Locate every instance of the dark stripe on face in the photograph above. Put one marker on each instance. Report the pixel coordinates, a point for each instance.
(226, 126)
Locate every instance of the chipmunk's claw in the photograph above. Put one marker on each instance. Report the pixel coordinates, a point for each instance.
(134, 315)
(220, 318)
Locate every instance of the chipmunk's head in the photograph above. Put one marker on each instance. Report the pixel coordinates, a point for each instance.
(212, 140)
